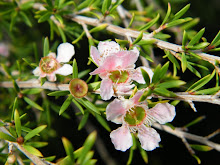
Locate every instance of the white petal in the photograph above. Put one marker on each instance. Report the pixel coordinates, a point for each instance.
(65, 52)
(37, 71)
(106, 89)
(115, 110)
(163, 112)
(106, 48)
(65, 70)
(121, 138)
(149, 138)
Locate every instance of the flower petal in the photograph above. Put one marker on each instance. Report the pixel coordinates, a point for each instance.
(124, 88)
(65, 70)
(65, 52)
(149, 138)
(121, 138)
(136, 97)
(137, 75)
(115, 110)
(106, 89)
(163, 112)
(108, 47)
(37, 71)
(95, 55)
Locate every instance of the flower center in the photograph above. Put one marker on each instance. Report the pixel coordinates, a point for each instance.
(119, 76)
(48, 64)
(78, 88)
(135, 116)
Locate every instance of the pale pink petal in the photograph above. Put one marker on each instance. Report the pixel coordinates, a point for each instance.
(115, 110)
(95, 55)
(121, 138)
(163, 112)
(65, 70)
(137, 75)
(52, 54)
(51, 77)
(4, 49)
(124, 88)
(149, 138)
(126, 58)
(136, 97)
(37, 71)
(109, 64)
(106, 89)
(108, 47)
(65, 52)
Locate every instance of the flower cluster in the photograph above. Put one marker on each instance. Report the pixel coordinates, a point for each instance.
(51, 65)
(116, 68)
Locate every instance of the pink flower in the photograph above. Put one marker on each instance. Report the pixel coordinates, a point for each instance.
(4, 50)
(116, 68)
(136, 117)
(51, 65)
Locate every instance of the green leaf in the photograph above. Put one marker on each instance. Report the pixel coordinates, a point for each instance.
(34, 132)
(105, 6)
(103, 122)
(197, 158)
(69, 149)
(66, 104)
(178, 22)
(87, 104)
(197, 120)
(132, 20)
(147, 42)
(33, 150)
(163, 70)
(37, 144)
(156, 76)
(46, 46)
(190, 24)
(164, 92)
(183, 62)
(63, 36)
(93, 86)
(44, 17)
(146, 77)
(33, 65)
(115, 5)
(201, 45)
(98, 28)
(145, 95)
(208, 91)
(144, 155)
(32, 91)
(139, 38)
(149, 24)
(200, 83)
(196, 38)
(78, 105)
(184, 40)
(26, 5)
(131, 155)
(172, 59)
(167, 14)
(13, 19)
(193, 70)
(75, 69)
(181, 12)
(59, 93)
(171, 84)
(17, 123)
(216, 39)
(15, 106)
(84, 4)
(90, 140)
(25, 18)
(201, 147)
(83, 120)
(33, 104)
(7, 137)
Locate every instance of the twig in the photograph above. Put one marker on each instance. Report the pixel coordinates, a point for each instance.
(179, 133)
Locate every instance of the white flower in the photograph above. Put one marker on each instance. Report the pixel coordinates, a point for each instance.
(51, 65)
